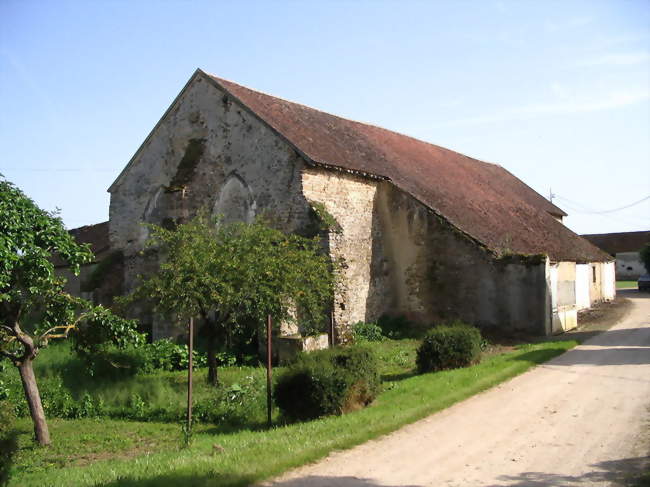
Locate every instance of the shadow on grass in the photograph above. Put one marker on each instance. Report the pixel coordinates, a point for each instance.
(185, 480)
(8, 448)
(398, 377)
(243, 480)
(631, 472)
(324, 481)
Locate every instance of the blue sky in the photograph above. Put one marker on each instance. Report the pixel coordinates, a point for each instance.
(556, 92)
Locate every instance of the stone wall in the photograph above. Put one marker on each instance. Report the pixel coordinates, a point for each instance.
(227, 160)
(426, 270)
(350, 200)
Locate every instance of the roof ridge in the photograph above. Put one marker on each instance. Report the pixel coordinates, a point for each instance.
(340, 117)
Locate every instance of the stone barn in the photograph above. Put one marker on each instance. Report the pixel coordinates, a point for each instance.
(424, 231)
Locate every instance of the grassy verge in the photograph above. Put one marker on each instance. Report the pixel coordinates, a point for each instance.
(253, 455)
(626, 284)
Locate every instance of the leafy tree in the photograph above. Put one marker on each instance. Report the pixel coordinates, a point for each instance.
(645, 257)
(229, 274)
(33, 305)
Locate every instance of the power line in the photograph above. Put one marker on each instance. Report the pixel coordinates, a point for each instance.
(630, 219)
(38, 169)
(602, 212)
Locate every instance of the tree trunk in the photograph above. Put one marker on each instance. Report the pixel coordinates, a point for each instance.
(212, 356)
(33, 397)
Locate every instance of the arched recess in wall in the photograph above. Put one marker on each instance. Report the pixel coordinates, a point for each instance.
(148, 215)
(235, 201)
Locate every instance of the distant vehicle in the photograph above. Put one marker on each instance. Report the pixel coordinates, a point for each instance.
(644, 283)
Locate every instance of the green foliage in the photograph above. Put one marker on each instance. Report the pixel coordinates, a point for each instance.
(128, 391)
(34, 308)
(29, 237)
(644, 254)
(399, 327)
(102, 331)
(367, 332)
(325, 382)
(166, 355)
(99, 273)
(325, 218)
(31, 295)
(242, 271)
(449, 347)
(240, 404)
(8, 443)
(4, 389)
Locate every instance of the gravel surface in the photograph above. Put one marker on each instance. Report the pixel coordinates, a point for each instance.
(580, 419)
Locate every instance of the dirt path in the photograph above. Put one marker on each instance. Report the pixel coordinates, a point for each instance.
(580, 419)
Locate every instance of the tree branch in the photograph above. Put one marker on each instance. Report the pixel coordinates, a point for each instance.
(45, 336)
(11, 356)
(9, 329)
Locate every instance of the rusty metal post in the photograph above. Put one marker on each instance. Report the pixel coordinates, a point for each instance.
(269, 372)
(190, 366)
(332, 339)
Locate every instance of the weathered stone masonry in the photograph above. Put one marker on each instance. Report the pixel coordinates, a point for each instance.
(211, 151)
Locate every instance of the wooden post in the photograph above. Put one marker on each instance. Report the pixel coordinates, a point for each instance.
(190, 366)
(269, 366)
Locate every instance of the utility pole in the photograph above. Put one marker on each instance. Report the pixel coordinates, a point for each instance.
(269, 366)
(551, 195)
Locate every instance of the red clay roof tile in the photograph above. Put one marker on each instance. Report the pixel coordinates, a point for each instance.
(483, 200)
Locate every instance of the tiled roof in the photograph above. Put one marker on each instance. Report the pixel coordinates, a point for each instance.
(614, 243)
(96, 235)
(483, 200)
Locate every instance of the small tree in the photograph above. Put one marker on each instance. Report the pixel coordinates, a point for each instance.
(644, 253)
(33, 305)
(231, 273)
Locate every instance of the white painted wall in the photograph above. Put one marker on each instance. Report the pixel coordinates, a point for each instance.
(609, 280)
(629, 266)
(582, 286)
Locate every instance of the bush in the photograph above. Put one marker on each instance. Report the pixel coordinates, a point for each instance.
(8, 441)
(239, 404)
(399, 327)
(644, 254)
(449, 347)
(333, 381)
(166, 355)
(112, 362)
(367, 332)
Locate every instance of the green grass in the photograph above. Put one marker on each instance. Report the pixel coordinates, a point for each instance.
(626, 284)
(161, 390)
(254, 455)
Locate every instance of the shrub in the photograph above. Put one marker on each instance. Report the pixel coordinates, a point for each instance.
(367, 332)
(449, 347)
(398, 327)
(644, 254)
(112, 362)
(239, 404)
(166, 355)
(332, 381)
(8, 441)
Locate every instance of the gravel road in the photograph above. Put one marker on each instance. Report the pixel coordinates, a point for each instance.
(580, 419)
